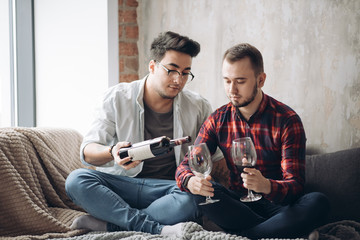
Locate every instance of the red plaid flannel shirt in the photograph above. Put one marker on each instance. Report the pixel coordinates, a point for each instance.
(279, 139)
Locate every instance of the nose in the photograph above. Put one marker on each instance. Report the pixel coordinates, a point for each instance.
(232, 87)
(177, 78)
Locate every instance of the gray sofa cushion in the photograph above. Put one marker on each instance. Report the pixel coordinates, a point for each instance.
(338, 176)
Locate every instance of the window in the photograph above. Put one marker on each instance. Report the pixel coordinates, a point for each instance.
(73, 60)
(5, 87)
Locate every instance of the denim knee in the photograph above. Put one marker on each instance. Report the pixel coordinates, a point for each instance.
(317, 207)
(318, 199)
(187, 201)
(74, 180)
(321, 202)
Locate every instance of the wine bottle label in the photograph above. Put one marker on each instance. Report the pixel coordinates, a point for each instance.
(140, 153)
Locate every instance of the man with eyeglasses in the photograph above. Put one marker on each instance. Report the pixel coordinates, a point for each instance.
(141, 195)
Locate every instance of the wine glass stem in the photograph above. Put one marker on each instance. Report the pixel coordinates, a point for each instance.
(250, 194)
(208, 198)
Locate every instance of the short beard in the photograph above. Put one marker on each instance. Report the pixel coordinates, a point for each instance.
(248, 101)
(166, 96)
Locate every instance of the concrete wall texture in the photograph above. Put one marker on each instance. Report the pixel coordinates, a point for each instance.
(311, 53)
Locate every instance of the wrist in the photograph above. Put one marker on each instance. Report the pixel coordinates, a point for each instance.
(111, 149)
(186, 182)
(268, 186)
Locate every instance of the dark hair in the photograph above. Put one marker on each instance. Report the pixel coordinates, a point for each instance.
(172, 41)
(242, 51)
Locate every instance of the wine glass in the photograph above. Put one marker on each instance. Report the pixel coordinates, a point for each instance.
(201, 164)
(244, 156)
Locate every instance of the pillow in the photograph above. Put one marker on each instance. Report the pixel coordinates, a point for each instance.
(337, 175)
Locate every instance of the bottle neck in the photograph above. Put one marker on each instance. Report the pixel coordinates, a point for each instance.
(179, 141)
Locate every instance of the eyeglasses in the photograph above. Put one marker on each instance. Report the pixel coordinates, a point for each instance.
(174, 74)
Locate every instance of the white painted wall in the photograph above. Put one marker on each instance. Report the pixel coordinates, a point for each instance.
(74, 65)
(311, 53)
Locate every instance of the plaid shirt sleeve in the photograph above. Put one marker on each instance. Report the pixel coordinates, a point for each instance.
(292, 164)
(183, 172)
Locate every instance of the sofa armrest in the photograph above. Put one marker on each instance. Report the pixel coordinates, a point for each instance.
(337, 175)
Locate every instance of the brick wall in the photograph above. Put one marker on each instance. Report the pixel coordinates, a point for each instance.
(128, 37)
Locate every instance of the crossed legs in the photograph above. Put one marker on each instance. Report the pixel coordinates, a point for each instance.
(126, 203)
(263, 219)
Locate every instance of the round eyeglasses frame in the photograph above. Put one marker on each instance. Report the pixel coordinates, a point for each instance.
(174, 74)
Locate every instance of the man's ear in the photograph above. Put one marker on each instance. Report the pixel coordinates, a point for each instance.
(261, 79)
(152, 65)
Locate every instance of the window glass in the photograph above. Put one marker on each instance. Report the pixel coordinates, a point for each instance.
(5, 97)
(72, 68)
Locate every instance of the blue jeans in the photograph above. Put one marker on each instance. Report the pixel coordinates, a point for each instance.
(132, 204)
(264, 219)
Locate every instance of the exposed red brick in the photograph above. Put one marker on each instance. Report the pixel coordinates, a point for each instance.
(127, 16)
(121, 65)
(120, 16)
(132, 3)
(128, 77)
(120, 31)
(128, 36)
(132, 64)
(128, 49)
(132, 32)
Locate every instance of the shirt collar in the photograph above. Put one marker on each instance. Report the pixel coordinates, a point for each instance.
(140, 93)
(263, 104)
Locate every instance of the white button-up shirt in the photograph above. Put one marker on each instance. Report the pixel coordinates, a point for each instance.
(121, 118)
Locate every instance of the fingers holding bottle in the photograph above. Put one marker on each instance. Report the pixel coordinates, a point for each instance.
(126, 162)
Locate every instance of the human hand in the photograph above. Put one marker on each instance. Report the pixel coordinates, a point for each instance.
(201, 186)
(254, 180)
(127, 162)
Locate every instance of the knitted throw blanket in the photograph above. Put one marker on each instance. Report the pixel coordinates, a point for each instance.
(345, 229)
(34, 164)
(190, 231)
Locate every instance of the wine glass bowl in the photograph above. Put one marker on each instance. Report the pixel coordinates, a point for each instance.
(244, 156)
(201, 165)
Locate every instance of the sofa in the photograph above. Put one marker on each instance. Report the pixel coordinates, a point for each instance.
(33, 204)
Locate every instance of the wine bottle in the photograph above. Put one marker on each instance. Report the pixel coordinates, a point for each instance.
(152, 148)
